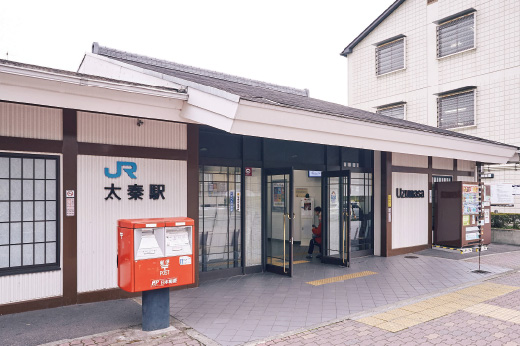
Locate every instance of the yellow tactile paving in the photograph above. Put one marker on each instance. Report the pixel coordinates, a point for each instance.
(340, 278)
(468, 299)
(278, 262)
(503, 314)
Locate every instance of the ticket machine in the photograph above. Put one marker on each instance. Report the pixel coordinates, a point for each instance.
(155, 253)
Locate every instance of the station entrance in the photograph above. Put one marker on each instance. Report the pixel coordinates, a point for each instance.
(257, 198)
(345, 218)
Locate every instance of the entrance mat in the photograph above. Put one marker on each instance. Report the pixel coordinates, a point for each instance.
(340, 278)
(468, 299)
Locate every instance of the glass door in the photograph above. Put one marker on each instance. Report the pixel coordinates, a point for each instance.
(279, 221)
(336, 217)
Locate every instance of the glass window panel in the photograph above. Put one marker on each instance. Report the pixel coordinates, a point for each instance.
(28, 211)
(4, 190)
(28, 232)
(390, 57)
(16, 168)
(4, 256)
(4, 167)
(39, 211)
(50, 231)
(4, 211)
(28, 190)
(39, 190)
(16, 211)
(50, 190)
(28, 255)
(50, 211)
(39, 253)
(28, 168)
(16, 255)
(16, 190)
(51, 253)
(50, 168)
(456, 35)
(16, 233)
(39, 169)
(4, 233)
(39, 231)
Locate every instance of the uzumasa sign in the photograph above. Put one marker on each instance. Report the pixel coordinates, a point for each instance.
(400, 193)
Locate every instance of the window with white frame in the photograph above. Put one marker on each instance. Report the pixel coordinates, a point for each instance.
(456, 35)
(390, 56)
(394, 111)
(456, 109)
(29, 213)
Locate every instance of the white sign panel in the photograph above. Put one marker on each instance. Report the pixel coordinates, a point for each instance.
(502, 194)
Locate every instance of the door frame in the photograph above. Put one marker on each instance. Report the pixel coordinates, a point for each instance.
(345, 217)
(290, 215)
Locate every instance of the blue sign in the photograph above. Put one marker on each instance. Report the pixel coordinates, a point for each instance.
(120, 164)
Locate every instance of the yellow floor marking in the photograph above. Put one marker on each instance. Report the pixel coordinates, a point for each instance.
(503, 314)
(278, 262)
(340, 278)
(467, 299)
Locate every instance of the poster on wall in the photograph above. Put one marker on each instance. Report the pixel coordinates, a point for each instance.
(307, 208)
(502, 194)
(470, 199)
(333, 203)
(278, 196)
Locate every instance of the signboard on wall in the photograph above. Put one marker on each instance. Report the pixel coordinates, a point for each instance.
(502, 194)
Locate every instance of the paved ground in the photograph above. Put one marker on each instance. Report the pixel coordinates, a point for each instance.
(453, 254)
(427, 300)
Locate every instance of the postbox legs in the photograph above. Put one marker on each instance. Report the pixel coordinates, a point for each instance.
(156, 309)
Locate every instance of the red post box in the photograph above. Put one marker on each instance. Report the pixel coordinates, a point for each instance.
(155, 253)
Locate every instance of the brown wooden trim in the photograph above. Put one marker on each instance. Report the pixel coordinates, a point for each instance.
(102, 295)
(434, 171)
(131, 151)
(193, 187)
(31, 305)
(70, 225)
(405, 250)
(30, 144)
(386, 189)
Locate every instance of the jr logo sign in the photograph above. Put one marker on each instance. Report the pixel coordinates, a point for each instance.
(132, 168)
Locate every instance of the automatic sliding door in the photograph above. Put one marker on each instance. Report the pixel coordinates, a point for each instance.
(279, 221)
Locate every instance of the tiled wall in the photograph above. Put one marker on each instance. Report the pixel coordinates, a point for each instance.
(493, 67)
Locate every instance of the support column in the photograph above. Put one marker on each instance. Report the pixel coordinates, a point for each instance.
(193, 188)
(70, 224)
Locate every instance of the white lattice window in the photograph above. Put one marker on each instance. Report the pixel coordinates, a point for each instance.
(456, 35)
(456, 109)
(390, 56)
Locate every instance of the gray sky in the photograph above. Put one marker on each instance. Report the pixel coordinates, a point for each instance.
(288, 42)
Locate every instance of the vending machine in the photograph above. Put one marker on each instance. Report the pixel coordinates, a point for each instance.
(458, 214)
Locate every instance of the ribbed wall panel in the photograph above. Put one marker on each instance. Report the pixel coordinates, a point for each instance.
(117, 130)
(463, 165)
(97, 217)
(442, 163)
(406, 160)
(30, 286)
(18, 120)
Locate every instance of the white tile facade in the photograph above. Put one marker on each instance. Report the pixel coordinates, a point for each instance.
(493, 67)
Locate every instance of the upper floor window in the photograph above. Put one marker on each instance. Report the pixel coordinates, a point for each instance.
(29, 213)
(395, 111)
(456, 35)
(390, 56)
(456, 109)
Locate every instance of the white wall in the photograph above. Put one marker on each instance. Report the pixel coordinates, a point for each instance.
(493, 67)
(97, 217)
(409, 215)
(17, 120)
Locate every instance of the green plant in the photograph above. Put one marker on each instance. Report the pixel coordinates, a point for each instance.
(505, 220)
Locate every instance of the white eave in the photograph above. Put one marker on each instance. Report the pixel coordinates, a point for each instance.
(50, 88)
(226, 111)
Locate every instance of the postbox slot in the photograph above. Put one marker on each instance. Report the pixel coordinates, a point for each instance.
(178, 241)
(148, 243)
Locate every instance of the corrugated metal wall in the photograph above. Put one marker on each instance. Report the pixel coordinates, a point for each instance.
(407, 160)
(97, 217)
(109, 129)
(18, 120)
